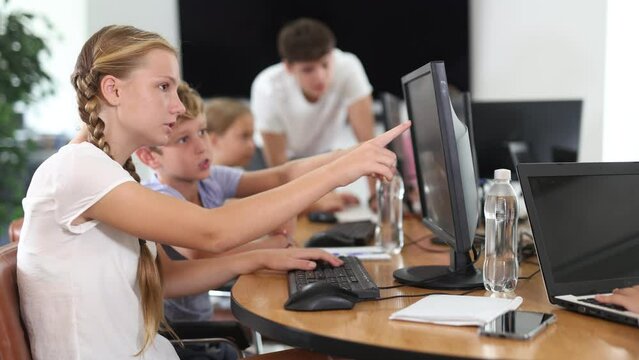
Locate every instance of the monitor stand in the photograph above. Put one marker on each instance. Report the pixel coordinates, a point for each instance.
(460, 275)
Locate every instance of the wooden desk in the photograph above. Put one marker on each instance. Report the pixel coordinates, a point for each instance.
(365, 331)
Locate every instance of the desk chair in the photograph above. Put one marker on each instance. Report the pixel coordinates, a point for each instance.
(14, 229)
(205, 332)
(14, 343)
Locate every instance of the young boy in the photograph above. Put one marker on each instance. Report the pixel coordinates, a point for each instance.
(184, 169)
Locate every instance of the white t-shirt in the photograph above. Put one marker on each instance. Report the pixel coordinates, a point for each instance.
(78, 291)
(279, 106)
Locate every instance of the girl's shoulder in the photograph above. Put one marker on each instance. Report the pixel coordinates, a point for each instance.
(72, 160)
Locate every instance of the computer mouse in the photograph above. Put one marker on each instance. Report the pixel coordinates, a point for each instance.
(324, 239)
(321, 295)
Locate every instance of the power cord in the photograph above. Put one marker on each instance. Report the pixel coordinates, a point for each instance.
(416, 295)
(529, 276)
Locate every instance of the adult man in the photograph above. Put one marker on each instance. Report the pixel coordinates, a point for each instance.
(300, 105)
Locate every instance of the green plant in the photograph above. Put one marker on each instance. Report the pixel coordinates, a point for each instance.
(22, 82)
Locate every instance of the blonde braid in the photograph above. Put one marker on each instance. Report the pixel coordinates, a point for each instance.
(130, 167)
(149, 275)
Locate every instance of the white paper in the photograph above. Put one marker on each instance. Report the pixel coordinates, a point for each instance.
(360, 212)
(456, 310)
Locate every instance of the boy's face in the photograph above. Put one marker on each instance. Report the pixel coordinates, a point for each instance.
(235, 147)
(187, 154)
(314, 77)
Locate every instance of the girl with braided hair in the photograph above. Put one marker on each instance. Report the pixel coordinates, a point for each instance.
(90, 287)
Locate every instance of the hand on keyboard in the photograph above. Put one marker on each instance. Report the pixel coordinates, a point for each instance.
(292, 258)
(351, 276)
(626, 297)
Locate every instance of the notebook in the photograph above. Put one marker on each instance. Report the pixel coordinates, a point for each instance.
(585, 223)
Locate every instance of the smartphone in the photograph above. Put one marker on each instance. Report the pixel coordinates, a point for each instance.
(515, 324)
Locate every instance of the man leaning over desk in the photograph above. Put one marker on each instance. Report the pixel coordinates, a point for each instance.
(301, 103)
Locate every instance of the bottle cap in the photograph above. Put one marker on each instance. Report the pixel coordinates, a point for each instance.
(502, 174)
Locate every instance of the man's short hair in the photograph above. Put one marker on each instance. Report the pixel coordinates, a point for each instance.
(305, 39)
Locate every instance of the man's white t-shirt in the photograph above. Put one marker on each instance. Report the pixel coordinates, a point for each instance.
(78, 291)
(279, 106)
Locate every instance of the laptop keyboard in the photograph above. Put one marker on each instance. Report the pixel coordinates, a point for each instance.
(350, 276)
(609, 306)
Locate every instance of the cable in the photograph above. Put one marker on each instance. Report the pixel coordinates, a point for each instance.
(416, 295)
(529, 276)
(391, 286)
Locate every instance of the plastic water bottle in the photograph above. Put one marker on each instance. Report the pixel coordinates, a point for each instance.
(500, 210)
(389, 232)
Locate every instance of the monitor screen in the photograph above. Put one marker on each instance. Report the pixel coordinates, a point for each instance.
(430, 153)
(446, 179)
(402, 146)
(583, 219)
(548, 130)
(226, 43)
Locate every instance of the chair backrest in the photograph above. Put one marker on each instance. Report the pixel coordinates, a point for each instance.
(14, 230)
(14, 344)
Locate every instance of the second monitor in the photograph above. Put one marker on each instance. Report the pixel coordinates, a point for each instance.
(507, 133)
(446, 180)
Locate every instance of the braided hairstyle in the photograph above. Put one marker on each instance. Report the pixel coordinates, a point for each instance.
(118, 50)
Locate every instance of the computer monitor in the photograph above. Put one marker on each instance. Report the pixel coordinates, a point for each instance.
(446, 179)
(462, 104)
(549, 130)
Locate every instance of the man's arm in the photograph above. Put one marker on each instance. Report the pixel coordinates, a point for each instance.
(360, 116)
(274, 148)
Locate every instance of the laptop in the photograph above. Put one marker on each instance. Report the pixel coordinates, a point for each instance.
(585, 222)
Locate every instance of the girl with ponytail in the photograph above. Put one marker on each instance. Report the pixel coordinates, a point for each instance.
(90, 276)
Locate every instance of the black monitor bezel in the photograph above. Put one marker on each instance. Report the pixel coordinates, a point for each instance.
(460, 241)
(526, 171)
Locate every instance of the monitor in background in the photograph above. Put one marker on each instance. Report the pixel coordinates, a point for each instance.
(462, 104)
(402, 145)
(548, 129)
(446, 178)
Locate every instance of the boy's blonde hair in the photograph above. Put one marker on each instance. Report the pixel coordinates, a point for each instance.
(192, 102)
(117, 51)
(193, 106)
(221, 113)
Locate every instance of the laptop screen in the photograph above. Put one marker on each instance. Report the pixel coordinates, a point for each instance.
(585, 220)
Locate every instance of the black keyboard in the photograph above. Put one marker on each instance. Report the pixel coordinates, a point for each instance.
(361, 231)
(609, 306)
(350, 276)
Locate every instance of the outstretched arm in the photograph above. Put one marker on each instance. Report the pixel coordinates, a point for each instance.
(206, 274)
(150, 215)
(253, 182)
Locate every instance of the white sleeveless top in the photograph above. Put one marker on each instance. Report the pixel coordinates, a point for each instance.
(78, 291)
